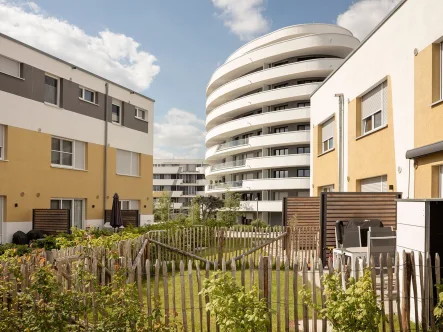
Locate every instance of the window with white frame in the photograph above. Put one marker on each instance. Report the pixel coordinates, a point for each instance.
(76, 207)
(68, 153)
(279, 86)
(303, 149)
(88, 95)
(374, 108)
(128, 163)
(281, 130)
(303, 127)
(281, 152)
(141, 114)
(304, 104)
(281, 107)
(9, 66)
(116, 112)
(303, 173)
(327, 189)
(52, 89)
(128, 204)
(2, 142)
(327, 135)
(281, 174)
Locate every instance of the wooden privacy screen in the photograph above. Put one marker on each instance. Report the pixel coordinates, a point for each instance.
(128, 217)
(306, 209)
(354, 205)
(51, 221)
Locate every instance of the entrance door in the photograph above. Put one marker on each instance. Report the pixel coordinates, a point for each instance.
(2, 227)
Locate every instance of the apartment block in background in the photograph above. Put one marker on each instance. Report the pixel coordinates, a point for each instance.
(378, 118)
(69, 139)
(183, 179)
(258, 115)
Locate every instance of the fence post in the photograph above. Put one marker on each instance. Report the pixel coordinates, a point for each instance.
(288, 243)
(266, 287)
(221, 240)
(407, 274)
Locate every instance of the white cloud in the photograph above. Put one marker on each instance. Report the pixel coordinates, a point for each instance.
(112, 55)
(180, 134)
(363, 16)
(243, 17)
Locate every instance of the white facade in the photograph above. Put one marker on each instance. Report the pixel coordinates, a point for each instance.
(258, 115)
(389, 51)
(183, 179)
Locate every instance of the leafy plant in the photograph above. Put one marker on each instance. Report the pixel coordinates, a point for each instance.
(227, 216)
(235, 308)
(258, 223)
(352, 310)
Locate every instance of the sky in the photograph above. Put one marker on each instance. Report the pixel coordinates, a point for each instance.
(168, 49)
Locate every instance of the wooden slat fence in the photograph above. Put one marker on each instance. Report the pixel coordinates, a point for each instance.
(128, 217)
(302, 211)
(51, 221)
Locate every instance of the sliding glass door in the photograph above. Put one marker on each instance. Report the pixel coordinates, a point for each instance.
(76, 206)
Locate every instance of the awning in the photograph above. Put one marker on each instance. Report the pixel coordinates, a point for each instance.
(424, 150)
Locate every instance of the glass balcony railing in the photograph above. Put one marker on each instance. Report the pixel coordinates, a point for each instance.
(232, 144)
(230, 164)
(226, 185)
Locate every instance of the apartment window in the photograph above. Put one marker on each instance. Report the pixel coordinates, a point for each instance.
(303, 149)
(76, 207)
(51, 90)
(128, 204)
(259, 133)
(68, 153)
(281, 107)
(375, 184)
(281, 174)
(279, 86)
(279, 195)
(327, 134)
(9, 67)
(327, 189)
(2, 142)
(303, 173)
(374, 105)
(141, 114)
(280, 152)
(158, 188)
(281, 130)
(303, 127)
(157, 176)
(116, 112)
(88, 95)
(128, 163)
(305, 104)
(281, 63)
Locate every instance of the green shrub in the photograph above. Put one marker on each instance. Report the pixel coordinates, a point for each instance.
(259, 223)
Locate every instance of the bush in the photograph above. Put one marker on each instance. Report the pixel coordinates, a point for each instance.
(258, 223)
(350, 310)
(235, 308)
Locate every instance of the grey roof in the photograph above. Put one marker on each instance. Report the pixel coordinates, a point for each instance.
(424, 150)
(72, 65)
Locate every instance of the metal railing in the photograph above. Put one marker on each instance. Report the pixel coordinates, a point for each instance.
(232, 144)
(229, 164)
(224, 185)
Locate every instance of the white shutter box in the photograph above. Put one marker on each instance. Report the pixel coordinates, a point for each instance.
(374, 101)
(375, 184)
(134, 163)
(327, 130)
(9, 66)
(385, 103)
(79, 155)
(123, 162)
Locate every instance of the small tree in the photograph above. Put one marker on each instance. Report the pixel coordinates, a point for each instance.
(227, 216)
(194, 215)
(162, 207)
(208, 206)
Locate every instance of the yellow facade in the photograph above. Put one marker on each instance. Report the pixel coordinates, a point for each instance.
(28, 181)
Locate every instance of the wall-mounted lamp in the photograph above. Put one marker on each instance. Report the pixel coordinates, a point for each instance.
(38, 194)
(93, 206)
(22, 194)
(74, 67)
(16, 204)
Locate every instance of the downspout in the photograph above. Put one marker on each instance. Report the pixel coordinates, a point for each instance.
(105, 164)
(340, 142)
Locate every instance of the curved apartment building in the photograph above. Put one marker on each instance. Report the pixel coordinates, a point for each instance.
(258, 115)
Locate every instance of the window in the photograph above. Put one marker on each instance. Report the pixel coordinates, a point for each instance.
(281, 107)
(158, 188)
(281, 174)
(141, 114)
(279, 86)
(51, 90)
(127, 163)
(303, 127)
(279, 195)
(74, 205)
(9, 66)
(305, 104)
(281, 130)
(68, 153)
(375, 184)
(116, 112)
(327, 134)
(303, 173)
(2, 142)
(88, 95)
(280, 152)
(128, 205)
(374, 106)
(327, 189)
(304, 149)
(281, 63)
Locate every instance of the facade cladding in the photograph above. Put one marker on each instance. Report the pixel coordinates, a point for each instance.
(69, 139)
(181, 179)
(258, 115)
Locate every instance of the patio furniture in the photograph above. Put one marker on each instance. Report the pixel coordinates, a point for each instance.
(350, 246)
(381, 241)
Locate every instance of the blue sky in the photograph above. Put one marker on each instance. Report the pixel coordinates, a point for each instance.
(188, 38)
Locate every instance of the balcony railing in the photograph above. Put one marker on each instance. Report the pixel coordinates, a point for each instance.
(231, 144)
(230, 164)
(225, 185)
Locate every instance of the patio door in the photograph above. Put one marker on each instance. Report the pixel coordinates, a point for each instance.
(2, 226)
(76, 206)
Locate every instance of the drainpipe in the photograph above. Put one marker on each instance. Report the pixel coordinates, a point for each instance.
(340, 142)
(105, 164)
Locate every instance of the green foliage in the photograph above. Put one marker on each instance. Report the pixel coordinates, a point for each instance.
(227, 216)
(235, 308)
(11, 249)
(208, 206)
(438, 310)
(162, 208)
(259, 223)
(352, 310)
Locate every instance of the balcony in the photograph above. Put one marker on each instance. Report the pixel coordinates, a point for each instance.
(167, 182)
(230, 164)
(261, 184)
(231, 144)
(167, 170)
(225, 185)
